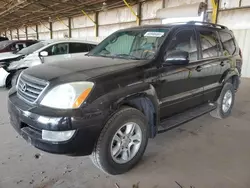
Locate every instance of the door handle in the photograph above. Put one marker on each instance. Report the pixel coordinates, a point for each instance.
(198, 69)
(222, 63)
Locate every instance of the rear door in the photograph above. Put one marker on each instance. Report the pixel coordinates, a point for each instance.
(211, 62)
(229, 48)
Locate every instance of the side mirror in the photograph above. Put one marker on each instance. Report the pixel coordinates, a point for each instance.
(43, 54)
(177, 57)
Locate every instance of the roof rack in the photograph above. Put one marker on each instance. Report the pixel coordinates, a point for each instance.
(208, 24)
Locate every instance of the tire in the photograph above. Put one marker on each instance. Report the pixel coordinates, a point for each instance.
(101, 155)
(220, 112)
(15, 77)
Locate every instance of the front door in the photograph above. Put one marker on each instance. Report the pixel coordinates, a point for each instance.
(180, 86)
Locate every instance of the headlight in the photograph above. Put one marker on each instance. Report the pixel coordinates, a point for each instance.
(67, 96)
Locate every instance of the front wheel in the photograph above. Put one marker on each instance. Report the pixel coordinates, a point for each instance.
(122, 142)
(225, 102)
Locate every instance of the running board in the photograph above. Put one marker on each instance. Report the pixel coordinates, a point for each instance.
(184, 117)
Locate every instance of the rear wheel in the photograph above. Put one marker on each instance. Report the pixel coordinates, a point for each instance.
(225, 102)
(122, 142)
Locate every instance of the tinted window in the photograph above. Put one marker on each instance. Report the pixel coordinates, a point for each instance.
(78, 48)
(227, 43)
(58, 49)
(185, 41)
(19, 46)
(209, 44)
(4, 44)
(91, 46)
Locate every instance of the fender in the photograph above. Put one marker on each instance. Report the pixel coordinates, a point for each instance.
(140, 95)
(229, 74)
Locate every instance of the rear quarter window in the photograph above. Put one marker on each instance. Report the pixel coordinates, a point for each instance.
(228, 43)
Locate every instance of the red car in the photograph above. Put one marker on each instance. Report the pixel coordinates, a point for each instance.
(15, 45)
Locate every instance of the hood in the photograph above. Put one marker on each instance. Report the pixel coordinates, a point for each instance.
(81, 68)
(8, 56)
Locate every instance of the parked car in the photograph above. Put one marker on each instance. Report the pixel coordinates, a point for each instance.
(9, 46)
(3, 38)
(135, 84)
(33, 55)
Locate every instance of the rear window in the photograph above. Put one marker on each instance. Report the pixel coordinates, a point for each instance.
(78, 47)
(228, 43)
(4, 44)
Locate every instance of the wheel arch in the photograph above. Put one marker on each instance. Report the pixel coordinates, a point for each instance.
(232, 76)
(145, 101)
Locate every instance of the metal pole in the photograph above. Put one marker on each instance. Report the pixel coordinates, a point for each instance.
(11, 37)
(138, 21)
(51, 30)
(96, 24)
(26, 32)
(215, 4)
(37, 34)
(69, 26)
(132, 11)
(17, 32)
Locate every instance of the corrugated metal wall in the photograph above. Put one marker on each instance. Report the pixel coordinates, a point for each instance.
(243, 38)
(109, 22)
(238, 21)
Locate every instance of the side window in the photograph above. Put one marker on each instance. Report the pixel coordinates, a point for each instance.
(228, 43)
(185, 40)
(12, 47)
(210, 44)
(58, 49)
(19, 46)
(78, 48)
(91, 46)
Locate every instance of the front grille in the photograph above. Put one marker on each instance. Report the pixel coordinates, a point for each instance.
(29, 88)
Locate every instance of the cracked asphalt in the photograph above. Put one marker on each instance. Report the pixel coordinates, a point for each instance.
(202, 153)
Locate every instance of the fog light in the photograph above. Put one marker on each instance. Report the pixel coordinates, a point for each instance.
(57, 136)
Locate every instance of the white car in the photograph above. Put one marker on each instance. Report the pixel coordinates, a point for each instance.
(9, 72)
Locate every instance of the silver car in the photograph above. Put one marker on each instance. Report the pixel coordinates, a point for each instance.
(37, 54)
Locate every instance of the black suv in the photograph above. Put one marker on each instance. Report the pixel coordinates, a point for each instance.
(135, 84)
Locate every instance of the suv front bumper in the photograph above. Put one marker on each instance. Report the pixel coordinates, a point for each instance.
(30, 125)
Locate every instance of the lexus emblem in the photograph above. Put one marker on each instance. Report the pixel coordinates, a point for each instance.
(23, 87)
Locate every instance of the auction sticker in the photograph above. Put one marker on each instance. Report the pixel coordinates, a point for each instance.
(154, 34)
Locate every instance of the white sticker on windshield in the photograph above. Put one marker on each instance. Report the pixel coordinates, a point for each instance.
(154, 34)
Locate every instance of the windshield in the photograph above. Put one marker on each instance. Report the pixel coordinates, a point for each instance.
(134, 44)
(32, 48)
(5, 43)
